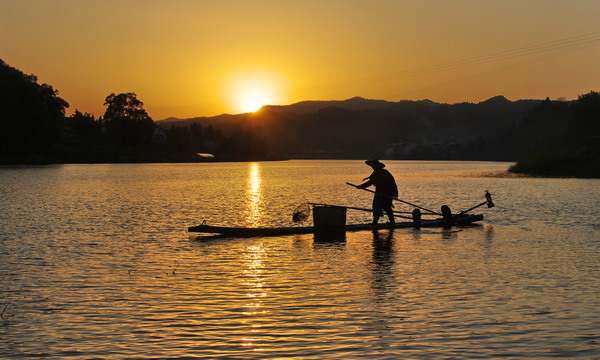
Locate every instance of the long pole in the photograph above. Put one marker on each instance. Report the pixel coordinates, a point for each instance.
(395, 198)
(488, 201)
(362, 209)
(473, 208)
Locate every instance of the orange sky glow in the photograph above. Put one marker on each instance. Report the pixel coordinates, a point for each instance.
(189, 58)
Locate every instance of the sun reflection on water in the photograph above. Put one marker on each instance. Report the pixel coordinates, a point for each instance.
(256, 292)
(254, 207)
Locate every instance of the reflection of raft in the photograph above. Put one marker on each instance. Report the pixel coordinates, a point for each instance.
(459, 220)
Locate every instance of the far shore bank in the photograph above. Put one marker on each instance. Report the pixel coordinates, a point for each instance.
(514, 171)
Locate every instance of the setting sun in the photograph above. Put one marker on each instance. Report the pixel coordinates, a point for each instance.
(251, 97)
(251, 90)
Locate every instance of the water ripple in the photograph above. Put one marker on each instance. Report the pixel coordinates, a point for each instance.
(95, 262)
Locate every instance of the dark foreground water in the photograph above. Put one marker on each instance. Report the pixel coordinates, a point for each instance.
(96, 262)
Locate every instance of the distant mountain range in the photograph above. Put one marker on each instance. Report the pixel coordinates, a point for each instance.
(306, 107)
(356, 104)
(359, 127)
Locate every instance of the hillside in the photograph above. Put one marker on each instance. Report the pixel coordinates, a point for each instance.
(360, 127)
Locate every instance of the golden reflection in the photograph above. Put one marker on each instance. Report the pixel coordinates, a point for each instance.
(254, 207)
(256, 292)
(488, 231)
(383, 261)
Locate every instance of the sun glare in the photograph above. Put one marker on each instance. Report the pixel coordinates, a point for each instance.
(251, 90)
(252, 97)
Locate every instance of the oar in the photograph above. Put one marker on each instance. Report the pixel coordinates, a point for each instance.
(395, 198)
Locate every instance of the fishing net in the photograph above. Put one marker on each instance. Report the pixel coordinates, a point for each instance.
(301, 213)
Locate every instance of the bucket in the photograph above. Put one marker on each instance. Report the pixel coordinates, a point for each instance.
(329, 217)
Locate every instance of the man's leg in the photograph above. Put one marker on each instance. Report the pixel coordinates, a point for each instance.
(377, 209)
(390, 214)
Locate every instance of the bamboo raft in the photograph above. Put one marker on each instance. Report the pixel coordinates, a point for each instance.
(461, 220)
(332, 219)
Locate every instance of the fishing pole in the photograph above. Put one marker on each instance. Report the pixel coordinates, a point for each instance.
(395, 198)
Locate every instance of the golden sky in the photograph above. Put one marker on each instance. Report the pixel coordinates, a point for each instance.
(187, 58)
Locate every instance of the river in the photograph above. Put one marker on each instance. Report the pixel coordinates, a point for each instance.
(96, 262)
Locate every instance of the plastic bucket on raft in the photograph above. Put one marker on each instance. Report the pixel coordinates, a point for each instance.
(327, 217)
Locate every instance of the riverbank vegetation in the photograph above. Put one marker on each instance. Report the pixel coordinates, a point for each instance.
(561, 138)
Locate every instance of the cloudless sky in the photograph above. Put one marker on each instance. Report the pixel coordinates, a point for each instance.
(187, 58)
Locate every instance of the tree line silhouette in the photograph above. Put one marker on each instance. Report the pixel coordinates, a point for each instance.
(545, 137)
(34, 129)
(560, 138)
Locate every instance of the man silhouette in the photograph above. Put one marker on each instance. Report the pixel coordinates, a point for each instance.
(385, 190)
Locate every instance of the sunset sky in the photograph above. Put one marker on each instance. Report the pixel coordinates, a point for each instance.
(203, 58)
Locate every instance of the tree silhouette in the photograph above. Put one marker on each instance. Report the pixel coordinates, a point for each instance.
(126, 123)
(586, 114)
(30, 116)
(567, 140)
(81, 137)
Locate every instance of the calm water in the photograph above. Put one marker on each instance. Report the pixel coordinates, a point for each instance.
(96, 262)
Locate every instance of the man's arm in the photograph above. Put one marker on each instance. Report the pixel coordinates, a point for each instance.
(367, 184)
